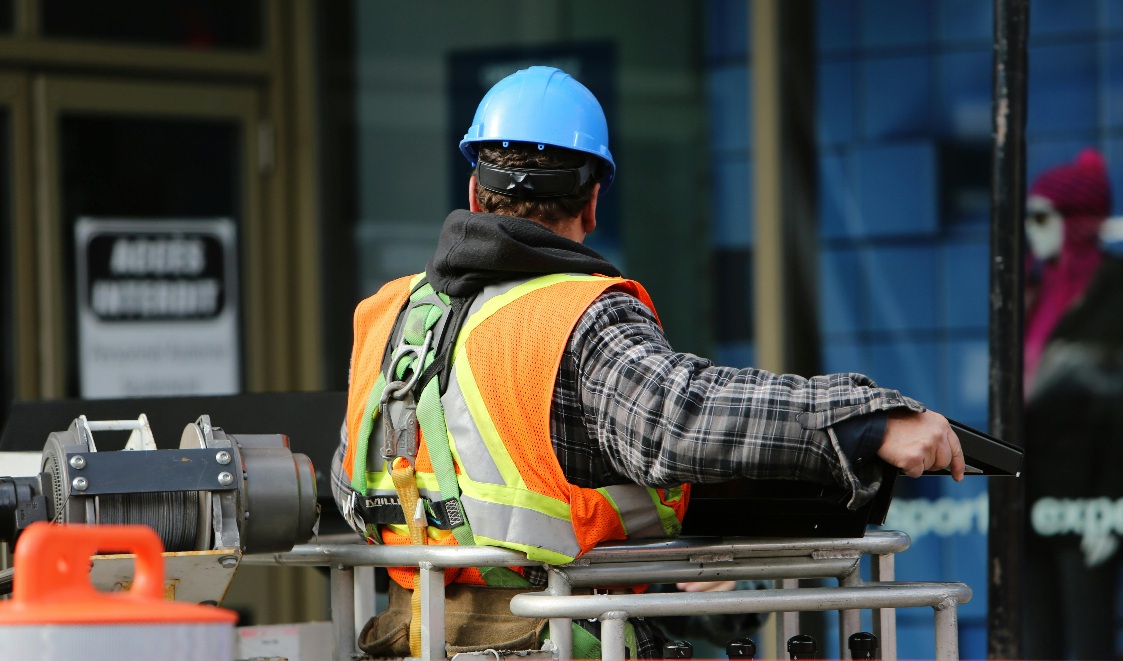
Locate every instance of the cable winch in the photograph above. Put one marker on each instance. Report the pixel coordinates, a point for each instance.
(217, 491)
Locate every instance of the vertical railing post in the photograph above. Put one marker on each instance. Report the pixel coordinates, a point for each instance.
(343, 613)
(1005, 529)
(561, 629)
(432, 611)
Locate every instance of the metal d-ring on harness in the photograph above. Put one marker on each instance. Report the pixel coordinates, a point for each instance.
(400, 439)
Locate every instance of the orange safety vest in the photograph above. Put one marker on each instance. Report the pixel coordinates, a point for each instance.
(497, 411)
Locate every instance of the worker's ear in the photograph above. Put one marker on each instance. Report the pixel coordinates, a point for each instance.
(589, 213)
(473, 203)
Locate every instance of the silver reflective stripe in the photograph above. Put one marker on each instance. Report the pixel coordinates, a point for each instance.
(476, 461)
(521, 526)
(637, 510)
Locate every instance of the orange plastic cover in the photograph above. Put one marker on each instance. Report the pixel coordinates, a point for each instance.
(52, 580)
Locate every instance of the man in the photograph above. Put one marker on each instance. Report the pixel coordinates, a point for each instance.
(555, 414)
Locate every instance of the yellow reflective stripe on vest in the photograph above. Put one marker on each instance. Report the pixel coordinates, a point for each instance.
(426, 484)
(464, 437)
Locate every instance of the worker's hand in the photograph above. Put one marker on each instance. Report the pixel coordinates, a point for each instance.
(707, 586)
(917, 442)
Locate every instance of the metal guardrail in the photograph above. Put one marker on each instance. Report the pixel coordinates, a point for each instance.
(684, 559)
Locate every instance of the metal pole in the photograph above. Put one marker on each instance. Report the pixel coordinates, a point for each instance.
(1005, 528)
(883, 568)
(432, 611)
(947, 630)
(612, 636)
(344, 641)
(561, 628)
(849, 620)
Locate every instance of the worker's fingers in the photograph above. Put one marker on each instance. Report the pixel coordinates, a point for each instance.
(916, 442)
(958, 464)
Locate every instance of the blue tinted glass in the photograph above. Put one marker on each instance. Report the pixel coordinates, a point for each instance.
(838, 215)
(896, 23)
(965, 85)
(1111, 93)
(897, 188)
(836, 25)
(835, 114)
(897, 97)
(842, 293)
(968, 378)
(1044, 154)
(729, 108)
(1112, 15)
(966, 21)
(911, 366)
(1062, 89)
(966, 278)
(901, 289)
(1114, 154)
(727, 29)
(731, 199)
(846, 356)
(1054, 17)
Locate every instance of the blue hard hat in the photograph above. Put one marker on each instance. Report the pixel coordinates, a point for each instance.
(546, 106)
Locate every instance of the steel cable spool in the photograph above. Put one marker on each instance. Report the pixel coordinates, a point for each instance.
(173, 515)
(247, 492)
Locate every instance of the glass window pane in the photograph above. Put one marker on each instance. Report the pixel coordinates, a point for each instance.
(121, 167)
(7, 16)
(455, 55)
(189, 24)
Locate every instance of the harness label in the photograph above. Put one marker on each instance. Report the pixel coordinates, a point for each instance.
(453, 515)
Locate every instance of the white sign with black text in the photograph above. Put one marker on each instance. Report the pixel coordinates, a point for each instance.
(157, 307)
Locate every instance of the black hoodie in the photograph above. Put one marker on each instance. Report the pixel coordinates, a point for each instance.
(479, 249)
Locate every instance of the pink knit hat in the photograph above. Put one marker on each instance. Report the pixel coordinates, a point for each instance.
(1079, 188)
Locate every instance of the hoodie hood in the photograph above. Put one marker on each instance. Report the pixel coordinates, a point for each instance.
(479, 249)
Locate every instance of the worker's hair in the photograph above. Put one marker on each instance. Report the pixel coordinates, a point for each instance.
(525, 155)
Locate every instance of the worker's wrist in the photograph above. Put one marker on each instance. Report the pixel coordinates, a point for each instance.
(860, 437)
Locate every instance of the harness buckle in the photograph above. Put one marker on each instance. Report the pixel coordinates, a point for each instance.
(399, 409)
(400, 431)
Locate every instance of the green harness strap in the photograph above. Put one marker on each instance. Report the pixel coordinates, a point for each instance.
(359, 467)
(431, 417)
